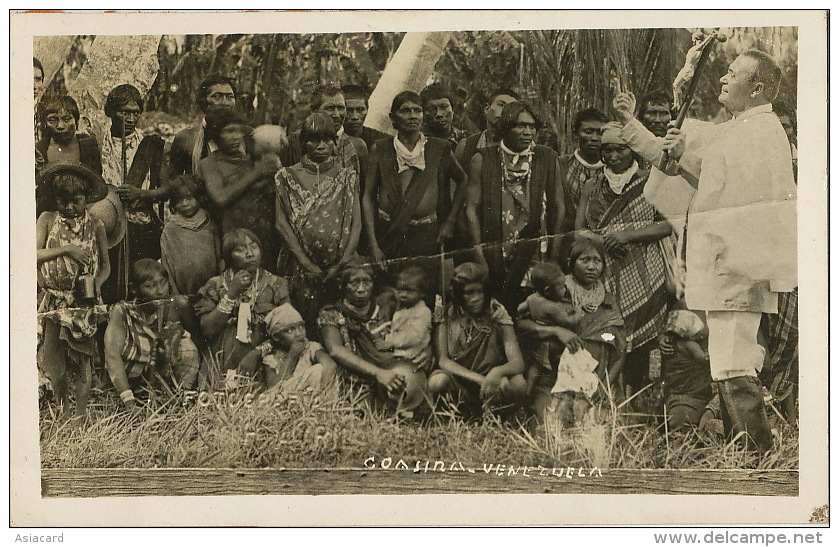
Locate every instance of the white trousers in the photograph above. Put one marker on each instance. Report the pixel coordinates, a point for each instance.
(732, 344)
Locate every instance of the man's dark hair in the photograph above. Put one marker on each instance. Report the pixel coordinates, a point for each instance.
(402, 98)
(120, 96)
(210, 81)
(768, 72)
(351, 91)
(321, 93)
(503, 91)
(659, 96)
(510, 116)
(588, 115)
(435, 92)
(218, 119)
(37, 64)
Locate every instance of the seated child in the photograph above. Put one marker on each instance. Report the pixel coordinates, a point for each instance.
(290, 362)
(410, 327)
(685, 368)
(73, 264)
(190, 246)
(146, 337)
(480, 358)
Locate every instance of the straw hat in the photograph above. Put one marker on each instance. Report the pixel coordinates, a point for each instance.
(96, 187)
(109, 211)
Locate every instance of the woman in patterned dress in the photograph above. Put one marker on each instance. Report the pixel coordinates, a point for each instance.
(232, 306)
(318, 217)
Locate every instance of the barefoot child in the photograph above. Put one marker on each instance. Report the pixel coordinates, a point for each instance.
(410, 328)
(190, 245)
(146, 336)
(290, 362)
(72, 265)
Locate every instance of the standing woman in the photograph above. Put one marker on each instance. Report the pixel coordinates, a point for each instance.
(614, 207)
(137, 177)
(318, 216)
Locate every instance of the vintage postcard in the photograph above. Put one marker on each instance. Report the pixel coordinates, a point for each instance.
(508, 267)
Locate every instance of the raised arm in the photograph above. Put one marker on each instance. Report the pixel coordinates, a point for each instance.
(221, 194)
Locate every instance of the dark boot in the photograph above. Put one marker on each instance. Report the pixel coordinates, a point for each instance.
(741, 401)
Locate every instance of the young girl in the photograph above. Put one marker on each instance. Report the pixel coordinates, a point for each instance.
(146, 336)
(72, 265)
(190, 244)
(410, 329)
(480, 359)
(290, 362)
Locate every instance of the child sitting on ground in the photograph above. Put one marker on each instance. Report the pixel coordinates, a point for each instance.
(190, 245)
(685, 368)
(410, 328)
(290, 362)
(72, 255)
(146, 337)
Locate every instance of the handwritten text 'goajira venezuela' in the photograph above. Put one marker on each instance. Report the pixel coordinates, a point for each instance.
(439, 466)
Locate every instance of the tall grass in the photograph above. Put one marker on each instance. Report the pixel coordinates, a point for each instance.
(341, 430)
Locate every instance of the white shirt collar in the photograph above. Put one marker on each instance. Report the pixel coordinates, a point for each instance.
(759, 109)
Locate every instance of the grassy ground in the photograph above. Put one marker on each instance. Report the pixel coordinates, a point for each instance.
(220, 430)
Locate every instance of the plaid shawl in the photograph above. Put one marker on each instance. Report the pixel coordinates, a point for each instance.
(637, 279)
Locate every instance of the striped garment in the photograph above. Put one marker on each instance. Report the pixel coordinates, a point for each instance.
(576, 177)
(782, 345)
(637, 279)
(157, 343)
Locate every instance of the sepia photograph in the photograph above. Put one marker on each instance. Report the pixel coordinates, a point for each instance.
(352, 261)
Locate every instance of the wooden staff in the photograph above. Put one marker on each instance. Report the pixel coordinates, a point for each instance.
(124, 159)
(694, 82)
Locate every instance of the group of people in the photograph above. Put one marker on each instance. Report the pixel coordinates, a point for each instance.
(431, 265)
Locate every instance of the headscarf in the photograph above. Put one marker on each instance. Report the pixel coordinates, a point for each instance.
(617, 181)
(281, 318)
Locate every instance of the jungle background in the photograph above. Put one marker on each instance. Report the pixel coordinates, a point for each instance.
(558, 71)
